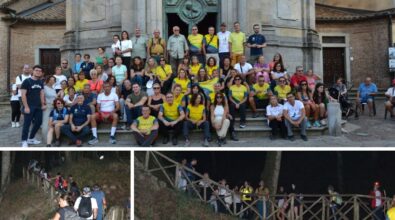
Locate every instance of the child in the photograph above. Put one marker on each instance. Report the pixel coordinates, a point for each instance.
(15, 107)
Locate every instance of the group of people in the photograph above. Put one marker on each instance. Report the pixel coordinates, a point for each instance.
(154, 86)
(222, 197)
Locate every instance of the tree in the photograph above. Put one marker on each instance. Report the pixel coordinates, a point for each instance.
(5, 170)
(271, 171)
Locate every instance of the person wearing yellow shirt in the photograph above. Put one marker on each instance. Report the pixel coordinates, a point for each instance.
(237, 41)
(183, 81)
(238, 95)
(259, 97)
(145, 128)
(281, 90)
(211, 66)
(211, 44)
(178, 96)
(163, 75)
(171, 116)
(79, 85)
(390, 215)
(195, 42)
(246, 196)
(194, 67)
(196, 118)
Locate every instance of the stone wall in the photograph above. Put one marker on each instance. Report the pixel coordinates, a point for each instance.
(368, 47)
(360, 4)
(3, 55)
(26, 39)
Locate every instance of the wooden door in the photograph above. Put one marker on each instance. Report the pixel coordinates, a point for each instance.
(334, 64)
(49, 59)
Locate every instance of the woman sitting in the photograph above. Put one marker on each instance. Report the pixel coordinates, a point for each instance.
(305, 95)
(57, 118)
(219, 111)
(182, 80)
(71, 98)
(321, 99)
(155, 100)
(211, 66)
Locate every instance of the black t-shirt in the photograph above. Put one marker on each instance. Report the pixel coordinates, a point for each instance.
(125, 93)
(33, 90)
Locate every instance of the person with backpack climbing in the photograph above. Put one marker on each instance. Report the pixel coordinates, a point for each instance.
(100, 197)
(335, 201)
(65, 211)
(85, 205)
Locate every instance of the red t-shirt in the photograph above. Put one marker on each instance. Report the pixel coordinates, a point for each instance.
(296, 79)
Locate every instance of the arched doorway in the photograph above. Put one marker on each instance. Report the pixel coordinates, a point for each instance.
(186, 13)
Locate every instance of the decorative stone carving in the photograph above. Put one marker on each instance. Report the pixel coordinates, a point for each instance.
(171, 2)
(289, 9)
(212, 2)
(93, 10)
(192, 11)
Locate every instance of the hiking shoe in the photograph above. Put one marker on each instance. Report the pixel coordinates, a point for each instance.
(25, 144)
(165, 140)
(205, 143)
(78, 143)
(112, 140)
(57, 143)
(291, 138)
(304, 137)
(33, 141)
(316, 124)
(17, 125)
(323, 122)
(174, 141)
(242, 125)
(187, 143)
(93, 141)
(233, 137)
(308, 124)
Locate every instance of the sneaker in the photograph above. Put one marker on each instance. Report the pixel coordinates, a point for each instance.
(308, 124)
(291, 138)
(112, 140)
(304, 137)
(33, 141)
(78, 143)
(93, 141)
(17, 125)
(25, 144)
(316, 124)
(205, 143)
(242, 125)
(323, 122)
(187, 143)
(13, 125)
(233, 137)
(174, 141)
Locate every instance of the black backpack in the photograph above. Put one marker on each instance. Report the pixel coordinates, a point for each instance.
(85, 207)
(70, 214)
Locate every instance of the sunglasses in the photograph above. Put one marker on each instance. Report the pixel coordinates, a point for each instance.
(303, 84)
(156, 87)
(218, 97)
(64, 63)
(169, 97)
(238, 79)
(281, 81)
(59, 103)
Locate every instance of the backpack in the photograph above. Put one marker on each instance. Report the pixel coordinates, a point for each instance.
(70, 214)
(85, 207)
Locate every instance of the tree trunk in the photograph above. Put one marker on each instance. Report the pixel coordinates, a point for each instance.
(271, 171)
(5, 169)
(340, 180)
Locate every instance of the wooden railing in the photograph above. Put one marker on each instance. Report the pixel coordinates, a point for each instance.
(312, 207)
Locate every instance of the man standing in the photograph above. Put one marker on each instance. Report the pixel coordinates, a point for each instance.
(196, 48)
(77, 65)
(237, 40)
(140, 45)
(145, 128)
(294, 114)
(256, 43)
(177, 48)
(211, 44)
(32, 93)
(26, 73)
(377, 202)
(98, 194)
(85, 205)
(66, 71)
(156, 46)
(223, 44)
(86, 66)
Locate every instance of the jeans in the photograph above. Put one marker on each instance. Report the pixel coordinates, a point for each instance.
(132, 114)
(15, 111)
(302, 127)
(74, 136)
(174, 62)
(277, 126)
(164, 130)
(35, 114)
(146, 140)
(205, 126)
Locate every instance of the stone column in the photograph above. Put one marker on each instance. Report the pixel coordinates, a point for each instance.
(127, 15)
(4, 43)
(155, 16)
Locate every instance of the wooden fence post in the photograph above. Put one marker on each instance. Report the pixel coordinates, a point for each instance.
(300, 209)
(177, 177)
(323, 207)
(146, 160)
(356, 208)
(263, 208)
(293, 207)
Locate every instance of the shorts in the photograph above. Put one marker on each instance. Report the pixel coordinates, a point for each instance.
(100, 116)
(365, 100)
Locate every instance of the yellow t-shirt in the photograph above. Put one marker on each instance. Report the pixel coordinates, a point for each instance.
(195, 112)
(282, 92)
(178, 100)
(171, 112)
(196, 42)
(246, 193)
(163, 72)
(145, 124)
(183, 83)
(210, 69)
(237, 40)
(391, 214)
(156, 47)
(79, 85)
(194, 69)
(261, 91)
(238, 93)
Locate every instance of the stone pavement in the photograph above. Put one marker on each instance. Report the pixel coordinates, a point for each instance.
(365, 132)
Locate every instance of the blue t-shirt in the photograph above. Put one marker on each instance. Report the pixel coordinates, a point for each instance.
(80, 114)
(90, 98)
(57, 115)
(256, 39)
(33, 91)
(99, 196)
(365, 90)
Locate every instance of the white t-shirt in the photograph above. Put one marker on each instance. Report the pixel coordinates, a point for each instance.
(14, 97)
(377, 193)
(294, 111)
(19, 81)
(274, 110)
(115, 45)
(243, 69)
(59, 79)
(126, 44)
(223, 44)
(93, 202)
(278, 74)
(390, 92)
(67, 100)
(107, 103)
(119, 73)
